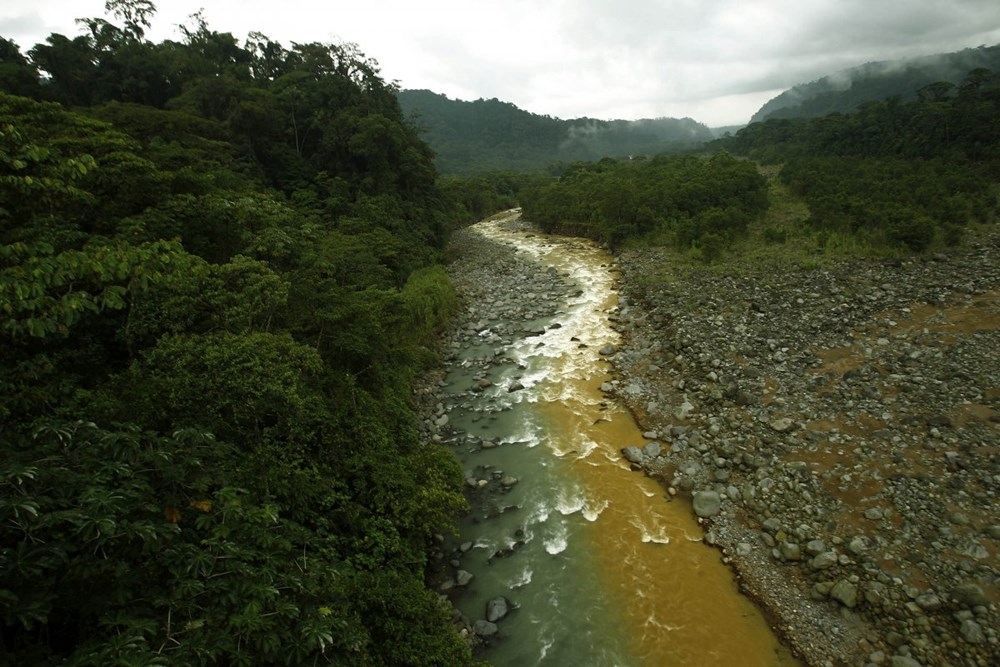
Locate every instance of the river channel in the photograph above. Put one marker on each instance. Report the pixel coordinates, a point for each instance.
(601, 565)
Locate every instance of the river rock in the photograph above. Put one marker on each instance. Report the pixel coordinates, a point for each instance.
(815, 547)
(782, 425)
(607, 350)
(903, 661)
(790, 551)
(707, 503)
(462, 578)
(632, 454)
(845, 593)
(824, 560)
(972, 632)
(485, 628)
(969, 595)
(652, 450)
(497, 609)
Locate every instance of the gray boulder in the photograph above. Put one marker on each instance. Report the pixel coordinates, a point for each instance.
(790, 551)
(632, 454)
(485, 628)
(652, 450)
(824, 560)
(969, 595)
(707, 503)
(845, 593)
(972, 632)
(497, 609)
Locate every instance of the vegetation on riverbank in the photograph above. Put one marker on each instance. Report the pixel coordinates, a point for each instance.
(889, 180)
(217, 281)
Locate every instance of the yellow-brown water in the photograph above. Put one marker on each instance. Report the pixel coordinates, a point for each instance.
(605, 569)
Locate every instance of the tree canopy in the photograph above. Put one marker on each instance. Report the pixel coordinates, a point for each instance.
(217, 281)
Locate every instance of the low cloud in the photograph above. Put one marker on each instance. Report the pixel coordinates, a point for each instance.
(708, 59)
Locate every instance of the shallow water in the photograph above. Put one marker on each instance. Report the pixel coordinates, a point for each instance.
(604, 568)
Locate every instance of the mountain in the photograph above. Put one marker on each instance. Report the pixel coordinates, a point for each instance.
(846, 90)
(477, 136)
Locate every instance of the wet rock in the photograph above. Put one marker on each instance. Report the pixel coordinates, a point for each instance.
(485, 628)
(707, 503)
(652, 450)
(497, 609)
(607, 350)
(632, 454)
(516, 386)
(462, 578)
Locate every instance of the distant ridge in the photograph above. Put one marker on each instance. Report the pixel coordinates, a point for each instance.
(844, 91)
(470, 137)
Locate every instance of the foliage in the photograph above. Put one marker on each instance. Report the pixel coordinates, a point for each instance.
(687, 201)
(217, 283)
(894, 176)
(890, 201)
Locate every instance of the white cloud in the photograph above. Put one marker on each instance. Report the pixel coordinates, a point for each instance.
(708, 59)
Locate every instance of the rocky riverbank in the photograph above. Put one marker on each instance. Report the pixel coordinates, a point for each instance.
(837, 430)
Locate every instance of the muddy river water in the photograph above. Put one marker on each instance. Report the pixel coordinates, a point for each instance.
(602, 566)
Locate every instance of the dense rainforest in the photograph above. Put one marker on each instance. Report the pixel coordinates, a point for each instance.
(893, 177)
(470, 138)
(218, 279)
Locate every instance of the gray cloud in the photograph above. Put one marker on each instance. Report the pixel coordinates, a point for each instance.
(715, 60)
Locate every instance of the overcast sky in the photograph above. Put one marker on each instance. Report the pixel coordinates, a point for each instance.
(716, 61)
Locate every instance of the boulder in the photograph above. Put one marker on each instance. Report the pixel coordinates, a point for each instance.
(969, 595)
(485, 628)
(790, 551)
(972, 632)
(845, 593)
(462, 578)
(824, 560)
(497, 609)
(652, 450)
(782, 425)
(707, 503)
(632, 454)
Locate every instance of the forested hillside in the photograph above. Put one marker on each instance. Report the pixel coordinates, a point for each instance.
(894, 177)
(846, 91)
(484, 135)
(893, 173)
(217, 282)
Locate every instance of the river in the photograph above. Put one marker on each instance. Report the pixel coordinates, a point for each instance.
(603, 567)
